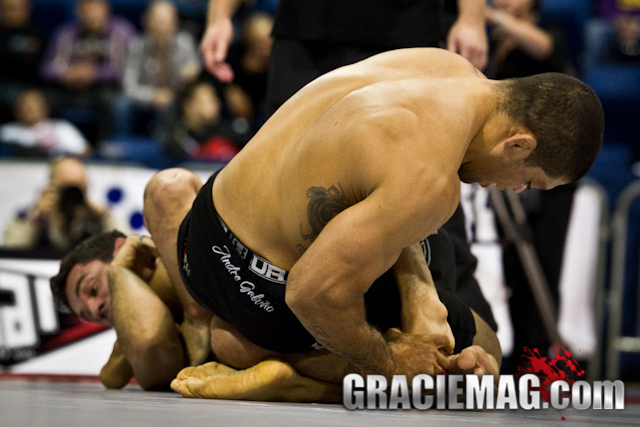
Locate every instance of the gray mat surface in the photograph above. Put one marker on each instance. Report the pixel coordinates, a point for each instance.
(60, 404)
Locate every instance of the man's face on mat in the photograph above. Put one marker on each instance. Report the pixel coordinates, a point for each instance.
(88, 292)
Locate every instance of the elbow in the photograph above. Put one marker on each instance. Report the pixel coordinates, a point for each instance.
(112, 382)
(156, 364)
(296, 300)
(311, 300)
(303, 299)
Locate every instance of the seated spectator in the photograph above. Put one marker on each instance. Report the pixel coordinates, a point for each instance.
(250, 62)
(35, 134)
(519, 45)
(613, 35)
(62, 216)
(21, 48)
(158, 65)
(85, 60)
(199, 132)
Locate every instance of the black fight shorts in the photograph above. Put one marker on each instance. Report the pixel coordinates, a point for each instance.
(247, 291)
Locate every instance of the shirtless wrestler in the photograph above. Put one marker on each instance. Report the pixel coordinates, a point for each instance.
(359, 165)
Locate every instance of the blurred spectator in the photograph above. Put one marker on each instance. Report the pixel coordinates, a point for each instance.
(62, 216)
(519, 45)
(35, 134)
(199, 132)
(21, 48)
(158, 65)
(614, 34)
(245, 97)
(85, 59)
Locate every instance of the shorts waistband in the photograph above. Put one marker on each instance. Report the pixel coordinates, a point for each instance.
(257, 264)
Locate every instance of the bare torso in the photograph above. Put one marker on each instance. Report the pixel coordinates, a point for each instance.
(396, 125)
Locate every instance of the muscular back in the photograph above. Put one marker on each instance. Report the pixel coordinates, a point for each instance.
(395, 126)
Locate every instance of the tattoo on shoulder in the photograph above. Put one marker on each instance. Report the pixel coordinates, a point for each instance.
(324, 204)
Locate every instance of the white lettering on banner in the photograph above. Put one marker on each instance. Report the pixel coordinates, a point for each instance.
(246, 287)
(31, 313)
(47, 315)
(17, 321)
(371, 392)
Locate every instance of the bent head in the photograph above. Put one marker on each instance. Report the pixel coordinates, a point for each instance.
(565, 118)
(93, 15)
(82, 286)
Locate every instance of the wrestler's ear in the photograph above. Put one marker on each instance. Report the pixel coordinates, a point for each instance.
(118, 244)
(520, 145)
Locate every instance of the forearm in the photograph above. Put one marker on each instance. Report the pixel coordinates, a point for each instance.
(146, 332)
(532, 39)
(471, 12)
(340, 326)
(56, 60)
(221, 10)
(422, 311)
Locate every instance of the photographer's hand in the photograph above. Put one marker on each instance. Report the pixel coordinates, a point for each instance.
(46, 208)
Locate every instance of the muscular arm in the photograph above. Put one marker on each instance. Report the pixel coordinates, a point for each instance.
(422, 310)
(326, 286)
(534, 40)
(147, 336)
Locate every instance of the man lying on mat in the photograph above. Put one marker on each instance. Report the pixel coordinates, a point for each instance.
(119, 281)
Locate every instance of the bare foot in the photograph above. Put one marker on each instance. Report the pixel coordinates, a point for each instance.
(270, 380)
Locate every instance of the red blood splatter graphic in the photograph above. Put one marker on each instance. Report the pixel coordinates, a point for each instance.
(559, 366)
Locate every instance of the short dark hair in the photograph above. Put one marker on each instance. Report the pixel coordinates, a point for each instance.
(97, 247)
(565, 116)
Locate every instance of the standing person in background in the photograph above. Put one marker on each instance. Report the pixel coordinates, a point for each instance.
(34, 133)
(62, 216)
(21, 48)
(158, 65)
(85, 60)
(312, 38)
